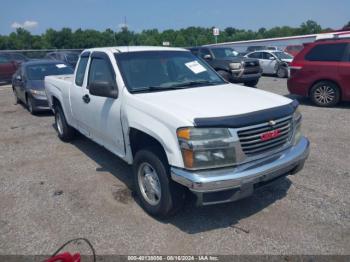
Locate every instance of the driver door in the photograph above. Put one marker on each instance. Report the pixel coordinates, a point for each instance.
(102, 114)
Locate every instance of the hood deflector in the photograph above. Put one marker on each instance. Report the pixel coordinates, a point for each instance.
(248, 119)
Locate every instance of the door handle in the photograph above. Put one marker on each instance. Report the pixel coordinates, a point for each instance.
(86, 99)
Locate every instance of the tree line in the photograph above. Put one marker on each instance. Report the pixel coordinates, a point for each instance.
(66, 38)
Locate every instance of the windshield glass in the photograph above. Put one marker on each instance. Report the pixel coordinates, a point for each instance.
(157, 70)
(282, 55)
(224, 52)
(38, 72)
(72, 58)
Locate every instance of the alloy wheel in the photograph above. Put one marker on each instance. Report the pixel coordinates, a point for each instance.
(324, 94)
(149, 184)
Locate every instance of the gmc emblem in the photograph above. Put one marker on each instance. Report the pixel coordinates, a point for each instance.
(270, 135)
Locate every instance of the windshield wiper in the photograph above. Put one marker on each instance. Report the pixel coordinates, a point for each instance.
(175, 86)
(196, 83)
(155, 88)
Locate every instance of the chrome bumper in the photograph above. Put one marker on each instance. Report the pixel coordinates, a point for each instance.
(286, 162)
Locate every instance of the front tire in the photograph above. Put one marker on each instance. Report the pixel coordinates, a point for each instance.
(64, 131)
(252, 83)
(325, 94)
(282, 72)
(30, 105)
(158, 194)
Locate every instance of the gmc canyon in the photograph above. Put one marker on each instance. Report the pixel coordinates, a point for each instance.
(179, 123)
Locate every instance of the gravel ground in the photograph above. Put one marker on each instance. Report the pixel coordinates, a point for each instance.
(52, 191)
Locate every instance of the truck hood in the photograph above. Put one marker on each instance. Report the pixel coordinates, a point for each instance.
(210, 101)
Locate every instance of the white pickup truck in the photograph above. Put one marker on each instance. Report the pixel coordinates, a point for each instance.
(179, 123)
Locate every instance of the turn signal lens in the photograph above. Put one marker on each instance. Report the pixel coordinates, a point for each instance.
(184, 133)
(188, 158)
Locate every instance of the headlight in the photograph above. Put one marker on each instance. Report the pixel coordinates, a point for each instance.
(297, 126)
(297, 116)
(37, 92)
(206, 147)
(235, 66)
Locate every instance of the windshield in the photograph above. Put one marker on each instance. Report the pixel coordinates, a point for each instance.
(72, 58)
(224, 52)
(282, 55)
(164, 70)
(38, 72)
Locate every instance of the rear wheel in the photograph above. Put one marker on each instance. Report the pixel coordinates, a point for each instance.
(325, 94)
(158, 194)
(224, 74)
(64, 131)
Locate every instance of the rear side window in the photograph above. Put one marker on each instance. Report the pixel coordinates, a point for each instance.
(79, 78)
(327, 52)
(255, 55)
(266, 55)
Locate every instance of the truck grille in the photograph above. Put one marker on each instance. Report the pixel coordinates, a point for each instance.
(265, 137)
(251, 64)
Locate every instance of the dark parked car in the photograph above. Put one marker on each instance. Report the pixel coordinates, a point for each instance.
(28, 82)
(68, 57)
(230, 65)
(321, 71)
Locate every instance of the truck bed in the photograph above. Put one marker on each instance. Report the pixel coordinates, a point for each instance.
(59, 87)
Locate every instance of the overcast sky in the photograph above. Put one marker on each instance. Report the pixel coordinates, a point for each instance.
(37, 16)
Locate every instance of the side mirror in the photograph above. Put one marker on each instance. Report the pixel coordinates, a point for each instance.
(272, 58)
(104, 89)
(207, 57)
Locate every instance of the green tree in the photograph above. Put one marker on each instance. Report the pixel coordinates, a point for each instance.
(347, 26)
(310, 27)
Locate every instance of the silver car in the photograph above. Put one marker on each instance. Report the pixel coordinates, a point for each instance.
(273, 61)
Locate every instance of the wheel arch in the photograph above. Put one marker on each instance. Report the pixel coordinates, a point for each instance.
(139, 140)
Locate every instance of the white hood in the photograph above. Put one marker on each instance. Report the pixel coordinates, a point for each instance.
(210, 101)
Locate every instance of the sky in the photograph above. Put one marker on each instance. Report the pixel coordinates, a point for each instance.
(37, 16)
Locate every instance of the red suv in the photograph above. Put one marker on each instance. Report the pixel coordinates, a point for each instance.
(321, 71)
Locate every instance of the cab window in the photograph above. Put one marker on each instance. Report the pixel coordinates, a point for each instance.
(79, 77)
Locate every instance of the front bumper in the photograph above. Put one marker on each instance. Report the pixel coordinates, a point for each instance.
(40, 103)
(242, 77)
(234, 183)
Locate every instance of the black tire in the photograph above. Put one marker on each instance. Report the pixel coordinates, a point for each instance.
(282, 72)
(325, 94)
(172, 195)
(64, 131)
(225, 75)
(252, 83)
(30, 105)
(16, 99)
